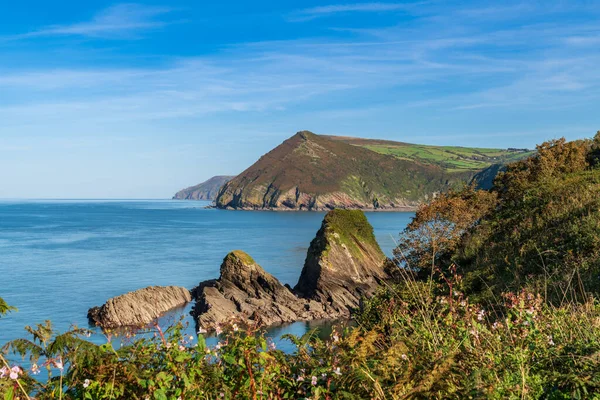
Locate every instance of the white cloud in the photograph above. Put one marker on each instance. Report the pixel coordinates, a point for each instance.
(116, 22)
(322, 11)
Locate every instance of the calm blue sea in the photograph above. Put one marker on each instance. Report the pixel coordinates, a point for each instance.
(59, 258)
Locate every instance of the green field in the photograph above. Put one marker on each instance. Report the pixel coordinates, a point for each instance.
(451, 158)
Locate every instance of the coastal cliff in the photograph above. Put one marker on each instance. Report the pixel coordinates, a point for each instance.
(344, 263)
(207, 190)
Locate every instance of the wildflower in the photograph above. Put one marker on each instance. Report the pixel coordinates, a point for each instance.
(59, 364)
(218, 330)
(181, 348)
(86, 383)
(191, 338)
(474, 333)
(300, 378)
(313, 381)
(168, 345)
(218, 346)
(15, 372)
(221, 394)
(337, 371)
(35, 369)
(443, 300)
(495, 325)
(272, 346)
(3, 372)
(335, 337)
(235, 328)
(526, 323)
(463, 303)
(201, 331)
(550, 341)
(480, 315)
(179, 398)
(323, 375)
(404, 357)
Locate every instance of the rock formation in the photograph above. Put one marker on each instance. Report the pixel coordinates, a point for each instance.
(207, 190)
(138, 308)
(344, 263)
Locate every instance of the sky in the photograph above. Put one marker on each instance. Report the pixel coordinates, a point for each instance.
(138, 100)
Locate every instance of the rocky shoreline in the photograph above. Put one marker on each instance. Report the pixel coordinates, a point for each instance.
(343, 265)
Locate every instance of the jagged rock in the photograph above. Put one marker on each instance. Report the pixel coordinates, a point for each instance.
(246, 291)
(138, 308)
(344, 263)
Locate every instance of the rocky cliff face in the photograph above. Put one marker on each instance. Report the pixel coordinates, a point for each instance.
(313, 172)
(138, 308)
(246, 291)
(207, 190)
(343, 264)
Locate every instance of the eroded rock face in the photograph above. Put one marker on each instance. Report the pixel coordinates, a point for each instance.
(140, 307)
(246, 291)
(344, 263)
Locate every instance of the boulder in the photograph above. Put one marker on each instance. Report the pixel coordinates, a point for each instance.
(138, 308)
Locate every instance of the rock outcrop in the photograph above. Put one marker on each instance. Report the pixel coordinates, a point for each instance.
(138, 308)
(207, 190)
(246, 291)
(344, 263)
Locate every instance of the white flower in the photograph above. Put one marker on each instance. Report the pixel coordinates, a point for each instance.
(86, 383)
(181, 348)
(191, 338)
(404, 357)
(235, 328)
(272, 346)
(35, 369)
(3, 372)
(550, 341)
(218, 346)
(59, 364)
(480, 315)
(335, 337)
(218, 330)
(300, 379)
(201, 331)
(337, 371)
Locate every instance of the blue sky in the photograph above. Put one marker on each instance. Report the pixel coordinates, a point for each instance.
(137, 100)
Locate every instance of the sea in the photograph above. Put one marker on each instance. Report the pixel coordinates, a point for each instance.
(58, 258)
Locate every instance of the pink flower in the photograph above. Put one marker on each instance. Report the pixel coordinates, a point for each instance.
(404, 357)
(314, 381)
(181, 348)
(3, 372)
(15, 372)
(300, 379)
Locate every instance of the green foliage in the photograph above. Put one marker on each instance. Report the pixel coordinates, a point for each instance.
(5, 308)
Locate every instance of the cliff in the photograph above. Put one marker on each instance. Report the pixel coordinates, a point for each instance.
(312, 172)
(343, 264)
(207, 190)
(138, 308)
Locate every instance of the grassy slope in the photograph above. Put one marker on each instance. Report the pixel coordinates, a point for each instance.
(318, 165)
(451, 158)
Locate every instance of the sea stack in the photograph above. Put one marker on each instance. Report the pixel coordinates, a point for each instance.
(344, 263)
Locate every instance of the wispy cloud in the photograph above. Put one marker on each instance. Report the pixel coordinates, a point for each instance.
(322, 11)
(116, 22)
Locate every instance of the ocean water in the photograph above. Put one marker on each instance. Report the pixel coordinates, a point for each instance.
(59, 258)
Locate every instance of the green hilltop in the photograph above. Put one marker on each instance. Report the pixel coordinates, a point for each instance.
(317, 172)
